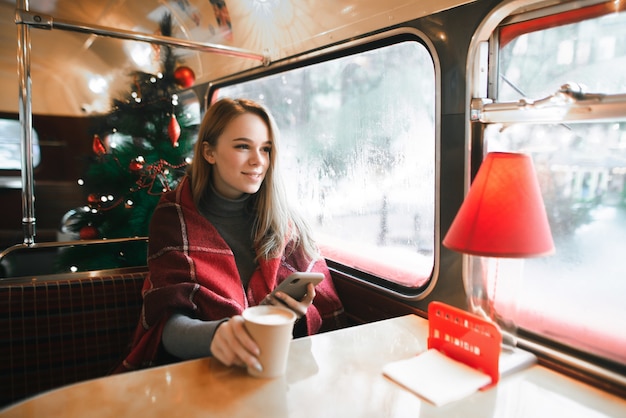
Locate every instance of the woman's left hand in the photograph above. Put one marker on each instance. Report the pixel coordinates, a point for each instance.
(299, 307)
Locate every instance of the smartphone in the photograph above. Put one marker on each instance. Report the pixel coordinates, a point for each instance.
(296, 285)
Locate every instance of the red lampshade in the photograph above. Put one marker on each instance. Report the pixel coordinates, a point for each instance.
(503, 214)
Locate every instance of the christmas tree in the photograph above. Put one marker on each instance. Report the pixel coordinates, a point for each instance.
(127, 177)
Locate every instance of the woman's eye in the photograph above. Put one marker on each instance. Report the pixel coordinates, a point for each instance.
(267, 149)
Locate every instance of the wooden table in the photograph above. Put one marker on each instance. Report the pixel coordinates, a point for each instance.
(335, 374)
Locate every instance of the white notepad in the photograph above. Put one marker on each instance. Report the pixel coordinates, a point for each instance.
(437, 377)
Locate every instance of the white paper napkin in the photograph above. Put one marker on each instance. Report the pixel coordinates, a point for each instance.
(436, 377)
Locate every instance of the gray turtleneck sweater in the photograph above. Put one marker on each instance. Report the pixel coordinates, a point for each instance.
(186, 337)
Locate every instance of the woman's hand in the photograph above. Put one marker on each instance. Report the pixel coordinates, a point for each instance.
(299, 307)
(233, 346)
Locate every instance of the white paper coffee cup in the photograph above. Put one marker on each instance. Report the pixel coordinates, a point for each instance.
(271, 328)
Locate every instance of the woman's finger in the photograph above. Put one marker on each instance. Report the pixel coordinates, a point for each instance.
(299, 307)
(310, 295)
(232, 344)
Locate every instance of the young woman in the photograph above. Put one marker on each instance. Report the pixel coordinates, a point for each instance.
(220, 242)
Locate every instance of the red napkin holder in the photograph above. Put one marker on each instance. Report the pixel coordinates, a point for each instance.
(465, 337)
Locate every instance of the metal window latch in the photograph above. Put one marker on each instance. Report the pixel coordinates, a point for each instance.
(568, 93)
(577, 92)
(477, 106)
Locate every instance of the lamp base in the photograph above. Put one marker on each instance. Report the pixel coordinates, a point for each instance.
(513, 360)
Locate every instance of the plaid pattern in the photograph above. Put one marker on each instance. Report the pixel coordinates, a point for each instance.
(59, 331)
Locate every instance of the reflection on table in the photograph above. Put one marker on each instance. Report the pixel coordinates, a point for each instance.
(335, 374)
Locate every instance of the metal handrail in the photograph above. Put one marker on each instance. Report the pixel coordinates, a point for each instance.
(38, 260)
(54, 244)
(43, 21)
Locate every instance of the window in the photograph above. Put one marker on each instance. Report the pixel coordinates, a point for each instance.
(576, 295)
(358, 150)
(10, 148)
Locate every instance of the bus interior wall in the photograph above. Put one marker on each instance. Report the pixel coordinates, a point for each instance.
(65, 144)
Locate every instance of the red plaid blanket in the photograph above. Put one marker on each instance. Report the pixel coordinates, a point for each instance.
(193, 270)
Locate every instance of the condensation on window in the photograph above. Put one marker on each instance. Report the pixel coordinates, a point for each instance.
(581, 170)
(358, 151)
(575, 295)
(590, 53)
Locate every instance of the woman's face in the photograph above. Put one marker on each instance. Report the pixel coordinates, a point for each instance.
(241, 157)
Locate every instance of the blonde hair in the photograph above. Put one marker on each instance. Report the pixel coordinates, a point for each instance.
(276, 222)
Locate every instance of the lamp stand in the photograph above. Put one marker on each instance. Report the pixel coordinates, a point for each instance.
(493, 287)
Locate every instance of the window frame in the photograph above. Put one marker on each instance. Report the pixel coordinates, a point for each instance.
(483, 110)
(365, 43)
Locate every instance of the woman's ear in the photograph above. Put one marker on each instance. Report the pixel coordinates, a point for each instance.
(207, 153)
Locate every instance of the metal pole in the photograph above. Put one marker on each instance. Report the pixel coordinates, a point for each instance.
(26, 122)
(43, 21)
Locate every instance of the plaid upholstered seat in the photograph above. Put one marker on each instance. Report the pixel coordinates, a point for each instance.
(62, 329)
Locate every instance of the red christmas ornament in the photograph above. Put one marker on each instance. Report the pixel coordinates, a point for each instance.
(135, 166)
(88, 232)
(173, 130)
(93, 199)
(97, 146)
(184, 77)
